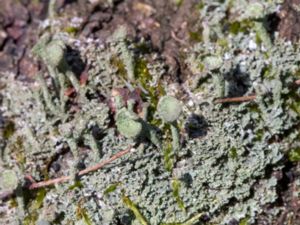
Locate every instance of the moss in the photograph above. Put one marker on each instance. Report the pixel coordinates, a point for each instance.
(168, 156)
(82, 214)
(258, 39)
(253, 108)
(297, 74)
(128, 203)
(13, 203)
(295, 106)
(33, 202)
(233, 153)
(201, 67)
(143, 75)
(71, 30)
(243, 26)
(223, 43)
(153, 94)
(196, 36)
(200, 5)
(111, 188)
(244, 222)
(38, 201)
(294, 155)
(77, 184)
(118, 63)
(259, 134)
(9, 130)
(178, 3)
(30, 219)
(18, 150)
(268, 72)
(176, 185)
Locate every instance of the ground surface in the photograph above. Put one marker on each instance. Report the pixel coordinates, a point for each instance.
(169, 28)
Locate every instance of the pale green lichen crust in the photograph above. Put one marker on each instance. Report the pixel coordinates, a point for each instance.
(228, 155)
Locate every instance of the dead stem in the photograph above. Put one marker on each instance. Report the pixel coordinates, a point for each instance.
(236, 99)
(82, 172)
(243, 98)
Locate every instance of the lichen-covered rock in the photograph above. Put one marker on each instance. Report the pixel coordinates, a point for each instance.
(226, 173)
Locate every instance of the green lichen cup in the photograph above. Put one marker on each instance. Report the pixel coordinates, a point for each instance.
(169, 109)
(128, 124)
(9, 180)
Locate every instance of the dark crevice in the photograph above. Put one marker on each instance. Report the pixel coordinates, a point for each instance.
(271, 24)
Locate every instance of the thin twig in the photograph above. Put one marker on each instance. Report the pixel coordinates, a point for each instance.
(81, 173)
(236, 99)
(243, 98)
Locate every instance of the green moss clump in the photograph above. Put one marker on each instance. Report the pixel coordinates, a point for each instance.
(33, 202)
(119, 64)
(71, 30)
(233, 153)
(168, 156)
(111, 188)
(294, 155)
(176, 185)
(196, 36)
(9, 130)
(153, 94)
(128, 203)
(243, 26)
(83, 215)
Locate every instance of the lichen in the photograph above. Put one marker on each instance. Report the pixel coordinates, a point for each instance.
(223, 168)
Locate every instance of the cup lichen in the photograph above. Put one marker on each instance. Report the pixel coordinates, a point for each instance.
(169, 109)
(9, 180)
(128, 124)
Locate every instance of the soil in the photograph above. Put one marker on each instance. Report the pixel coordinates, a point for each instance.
(289, 15)
(166, 26)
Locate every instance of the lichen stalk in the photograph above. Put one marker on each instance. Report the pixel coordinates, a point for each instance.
(175, 137)
(46, 94)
